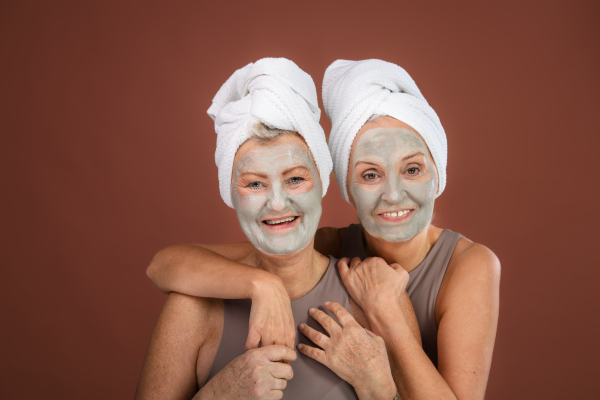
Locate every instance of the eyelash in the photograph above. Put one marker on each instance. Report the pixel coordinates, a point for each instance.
(300, 180)
(417, 168)
(255, 187)
(370, 179)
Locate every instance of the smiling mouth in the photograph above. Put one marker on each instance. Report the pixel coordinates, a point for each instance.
(395, 216)
(281, 223)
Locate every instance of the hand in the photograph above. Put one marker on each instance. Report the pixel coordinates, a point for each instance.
(271, 318)
(372, 283)
(257, 374)
(355, 354)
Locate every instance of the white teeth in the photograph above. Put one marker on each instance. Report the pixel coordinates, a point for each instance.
(279, 221)
(396, 214)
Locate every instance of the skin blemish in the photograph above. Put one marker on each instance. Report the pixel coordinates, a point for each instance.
(272, 182)
(393, 183)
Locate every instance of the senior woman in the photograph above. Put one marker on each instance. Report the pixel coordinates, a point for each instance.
(389, 151)
(273, 170)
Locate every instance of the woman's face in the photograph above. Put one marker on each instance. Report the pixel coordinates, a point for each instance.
(392, 180)
(276, 193)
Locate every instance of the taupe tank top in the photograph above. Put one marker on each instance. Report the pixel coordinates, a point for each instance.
(424, 283)
(312, 380)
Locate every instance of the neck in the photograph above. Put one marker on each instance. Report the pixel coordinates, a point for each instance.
(408, 254)
(299, 272)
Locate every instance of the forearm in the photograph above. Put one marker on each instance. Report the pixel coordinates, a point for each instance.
(415, 375)
(197, 271)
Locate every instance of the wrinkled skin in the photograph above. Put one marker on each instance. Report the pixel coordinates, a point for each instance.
(276, 180)
(355, 354)
(391, 170)
(256, 374)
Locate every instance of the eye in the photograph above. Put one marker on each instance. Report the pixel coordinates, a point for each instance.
(296, 180)
(255, 185)
(413, 170)
(370, 176)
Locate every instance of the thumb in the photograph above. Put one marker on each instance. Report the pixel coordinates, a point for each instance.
(343, 267)
(253, 340)
(396, 267)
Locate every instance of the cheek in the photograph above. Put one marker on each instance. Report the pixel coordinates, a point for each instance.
(249, 205)
(365, 199)
(424, 192)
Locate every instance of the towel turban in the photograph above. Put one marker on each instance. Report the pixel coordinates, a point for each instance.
(276, 92)
(353, 91)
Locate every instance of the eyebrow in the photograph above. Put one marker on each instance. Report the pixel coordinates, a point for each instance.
(412, 155)
(293, 167)
(264, 176)
(368, 163)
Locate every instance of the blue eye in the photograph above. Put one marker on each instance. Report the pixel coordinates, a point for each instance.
(296, 180)
(254, 185)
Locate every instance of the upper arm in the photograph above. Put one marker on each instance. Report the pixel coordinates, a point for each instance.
(328, 241)
(468, 306)
(170, 366)
(233, 251)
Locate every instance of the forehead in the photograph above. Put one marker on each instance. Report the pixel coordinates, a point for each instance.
(272, 156)
(387, 143)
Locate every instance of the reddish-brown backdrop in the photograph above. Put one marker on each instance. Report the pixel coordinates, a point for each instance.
(107, 156)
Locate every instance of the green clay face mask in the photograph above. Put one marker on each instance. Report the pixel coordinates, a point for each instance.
(276, 193)
(393, 183)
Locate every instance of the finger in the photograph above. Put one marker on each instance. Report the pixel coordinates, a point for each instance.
(253, 340)
(277, 352)
(281, 371)
(343, 267)
(340, 313)
(279, 384)
(370, 333)
(274, 395)
(315, 336)
(312, 352)
(355, 261)
(325, 320)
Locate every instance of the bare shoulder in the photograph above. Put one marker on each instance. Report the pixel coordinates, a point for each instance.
(474, 258)
(328, 240)
(473, 271)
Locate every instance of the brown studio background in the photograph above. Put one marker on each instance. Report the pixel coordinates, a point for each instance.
(107, 156)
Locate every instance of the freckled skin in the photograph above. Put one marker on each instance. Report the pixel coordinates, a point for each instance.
(395, 189)
(277, 198)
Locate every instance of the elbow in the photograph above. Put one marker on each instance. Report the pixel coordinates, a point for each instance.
(153, 272)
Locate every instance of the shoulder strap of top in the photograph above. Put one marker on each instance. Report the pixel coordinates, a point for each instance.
(352, 244)
(424, 285)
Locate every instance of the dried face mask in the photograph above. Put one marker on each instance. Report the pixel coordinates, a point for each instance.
(393, 183)
(276, 193)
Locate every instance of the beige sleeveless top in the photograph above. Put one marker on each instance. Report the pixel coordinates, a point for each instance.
(312, 380)
(424, 283)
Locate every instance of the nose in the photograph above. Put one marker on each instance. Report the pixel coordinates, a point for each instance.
(276, 199)
(392, 189)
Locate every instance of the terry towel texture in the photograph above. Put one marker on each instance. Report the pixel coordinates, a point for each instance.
(353, 91)
(276, 92)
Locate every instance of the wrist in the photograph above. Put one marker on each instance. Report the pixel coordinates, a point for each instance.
(386, 319)
(263, 282)
(378, 392)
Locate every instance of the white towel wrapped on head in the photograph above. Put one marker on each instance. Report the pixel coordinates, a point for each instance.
(353, 91)
(276, 92)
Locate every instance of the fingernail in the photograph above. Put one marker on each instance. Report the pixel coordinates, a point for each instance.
(300, 346)
(327, 303)
(301, 326)
(311, 310)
